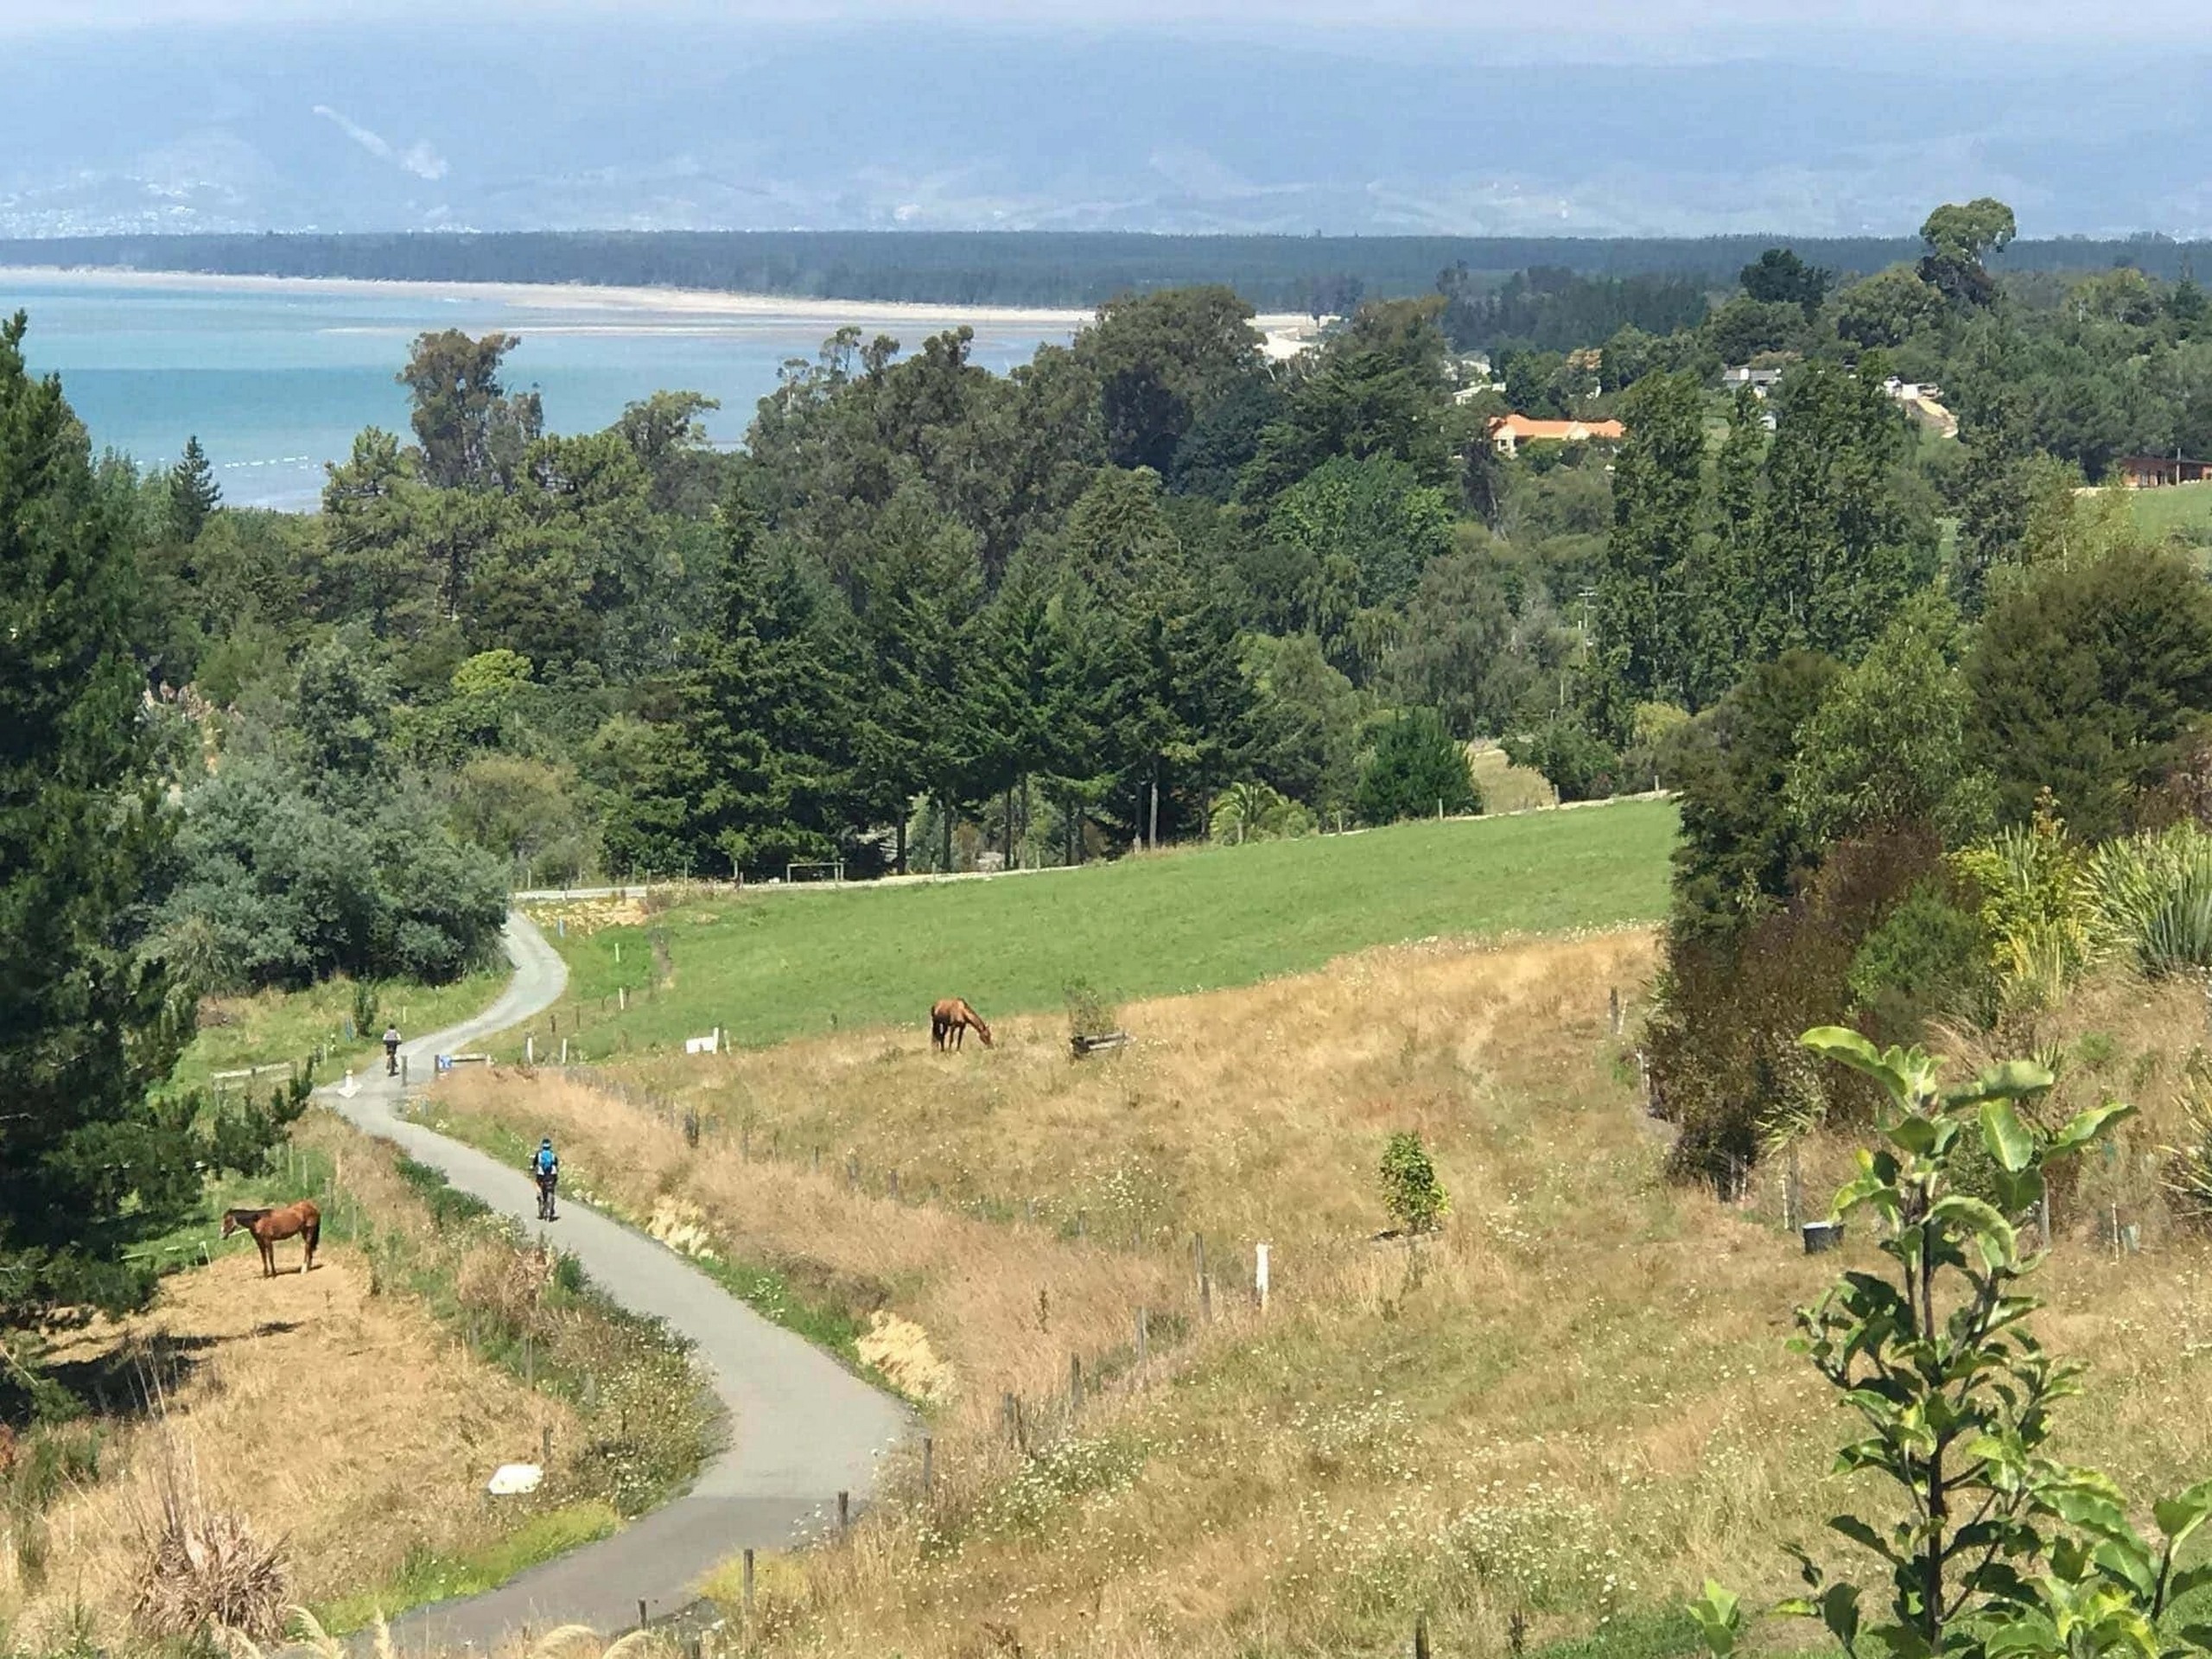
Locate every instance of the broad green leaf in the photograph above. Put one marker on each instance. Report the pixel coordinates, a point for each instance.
(2088, 1126)
(2008, 1139)
(2183, 1513)
(1719, 1619)
(1845, 1046)
(2012, 1080)
(1980, 1217)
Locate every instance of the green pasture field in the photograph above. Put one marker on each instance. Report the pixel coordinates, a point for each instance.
(769, 965)
(2181, 512)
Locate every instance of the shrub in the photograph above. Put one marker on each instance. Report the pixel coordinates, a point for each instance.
(367, 1010)
(1253, 811)
(1411, 1192)
(2154, 896)
(1928, 959)
(1575, 761)
(1726, 1066)
(1416, 767)
(278, 886)
(2189, 1166)
(2038, 909)
(1090, 1012)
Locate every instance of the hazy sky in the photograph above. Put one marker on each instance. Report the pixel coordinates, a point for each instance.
(1593, 27)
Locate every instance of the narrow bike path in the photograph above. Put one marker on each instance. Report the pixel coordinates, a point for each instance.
(801, 1429)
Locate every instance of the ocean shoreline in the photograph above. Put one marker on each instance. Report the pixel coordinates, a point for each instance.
(698, 305)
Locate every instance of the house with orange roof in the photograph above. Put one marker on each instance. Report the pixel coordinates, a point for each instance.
(1508, 432)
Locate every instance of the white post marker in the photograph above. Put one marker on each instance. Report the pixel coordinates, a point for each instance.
(348, 1089)
(1260, 1275)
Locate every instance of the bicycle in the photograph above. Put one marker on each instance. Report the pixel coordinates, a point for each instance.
(545, 1185)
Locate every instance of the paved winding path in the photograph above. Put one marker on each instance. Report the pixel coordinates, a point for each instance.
(802, 1429)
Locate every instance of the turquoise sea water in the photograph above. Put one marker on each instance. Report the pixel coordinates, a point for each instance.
(275, 383)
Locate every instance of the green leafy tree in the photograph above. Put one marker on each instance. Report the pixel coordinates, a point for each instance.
(1779, 277)
(1305, 721)
(341, 712)
(90, 1023)
(1727, 617)
(1417, 770)
(1457, 652)
(1412, 1193)
(194, 493)
(1374, 513)
(2085, 680)
(1960, 236)
(920, 733)
(1888, 745)
(1885, 310)
(1161, 359)
(1992, 1547)
(1994, 495)
(472, 432)
(1380, 388)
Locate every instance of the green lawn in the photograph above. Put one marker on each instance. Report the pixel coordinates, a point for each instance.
(772, 965)
(2180, 513)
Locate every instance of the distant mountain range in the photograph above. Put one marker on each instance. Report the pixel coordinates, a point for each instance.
(663, 125)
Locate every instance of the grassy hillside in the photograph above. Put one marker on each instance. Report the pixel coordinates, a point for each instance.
(1567, 1409)
(771, 966)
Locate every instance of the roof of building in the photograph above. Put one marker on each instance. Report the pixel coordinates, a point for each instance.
(1525, 431)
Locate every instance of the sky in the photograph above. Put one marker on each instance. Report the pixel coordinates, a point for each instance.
(1663, 28)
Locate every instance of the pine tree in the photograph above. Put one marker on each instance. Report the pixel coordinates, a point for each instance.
(765, 768)
(1651, 585)
(88, 1025)
(194, 493)
(1725, 620)
(920, 734)
(1837, 555)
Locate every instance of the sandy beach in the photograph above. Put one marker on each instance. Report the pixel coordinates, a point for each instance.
(646, 306)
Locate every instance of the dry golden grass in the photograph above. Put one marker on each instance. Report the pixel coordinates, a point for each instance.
(343, 1423)
(1572, 1405)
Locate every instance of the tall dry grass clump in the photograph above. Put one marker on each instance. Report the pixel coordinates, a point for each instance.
(202, 1570)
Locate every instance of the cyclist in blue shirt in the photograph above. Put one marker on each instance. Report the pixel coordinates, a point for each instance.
(547, 1168)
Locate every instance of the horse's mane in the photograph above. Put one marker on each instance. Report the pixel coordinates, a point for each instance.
(245, 1216)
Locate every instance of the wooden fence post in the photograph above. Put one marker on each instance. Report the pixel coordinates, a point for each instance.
(1144, 1338)
(1075, 1382)
(844, 1514)
(748, 1582)
(928, 1465)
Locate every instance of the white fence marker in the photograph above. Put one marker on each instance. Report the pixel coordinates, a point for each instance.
(1260, 1275)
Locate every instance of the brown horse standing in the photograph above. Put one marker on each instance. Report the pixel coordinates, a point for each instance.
(951, 1019)
(267, 1226)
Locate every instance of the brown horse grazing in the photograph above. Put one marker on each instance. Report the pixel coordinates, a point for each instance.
(267, 1226)
(951, 1019)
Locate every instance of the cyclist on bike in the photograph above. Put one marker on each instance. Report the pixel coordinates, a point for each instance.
(547, 1168)
(392, 1051)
